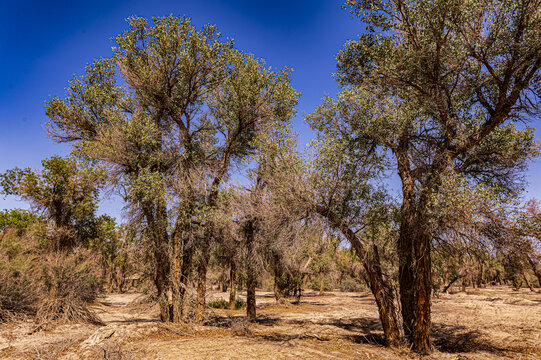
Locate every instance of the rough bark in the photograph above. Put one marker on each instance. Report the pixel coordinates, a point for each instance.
(423, 292)
(380, 288)
(480, 275)
(535, 269)
(176, 276)
(249, 233)
(250, 297)
(280, 286)
(405, 240)
(185, 272)
(156, 217)
(528, 283)
(406, 276)
(201, 289)
(232, 285)
(383, 293)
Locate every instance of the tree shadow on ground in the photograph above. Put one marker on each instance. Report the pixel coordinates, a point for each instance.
(135, 321)
(367, 330)
(226, 321)
(290, 303)
(460, 339)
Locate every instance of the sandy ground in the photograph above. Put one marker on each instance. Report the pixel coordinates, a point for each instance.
(493, 323)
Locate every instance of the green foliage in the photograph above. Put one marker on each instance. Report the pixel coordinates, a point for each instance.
(351, 285)
(204, 112)
(16, 219)
(224, 304)
(65, 191)
(322, 253)
(443, 77)
(315, 283)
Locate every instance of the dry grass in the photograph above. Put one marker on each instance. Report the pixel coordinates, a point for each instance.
(66, 310)
(495, 323)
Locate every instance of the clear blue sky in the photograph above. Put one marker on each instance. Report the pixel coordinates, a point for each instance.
(45, 43)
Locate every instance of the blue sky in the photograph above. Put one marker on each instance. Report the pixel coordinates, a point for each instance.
(45, 43)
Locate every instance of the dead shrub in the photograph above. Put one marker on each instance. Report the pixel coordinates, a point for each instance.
(18, 293)
(71, 282)
(17, 296)
(240, 327)
(19, 290)
(73, 276)
(65, 310)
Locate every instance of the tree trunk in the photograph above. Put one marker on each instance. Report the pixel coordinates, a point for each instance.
(423, 292)
(453, 280)
(156, 216)
(380, 288)
(121, 277)
(110, 282)
(298, 291)
(320, 285)
(406, 276)
(279, 288)
(527, 281)
(176, 282)
(536, 270)
(201, 288)
(185, 271)
(250, 272)
(250, 296)
(233, 285)
(480, 275)
(406, 238)
(383, 293)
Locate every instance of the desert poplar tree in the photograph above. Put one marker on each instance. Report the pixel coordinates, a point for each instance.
(65, 192)
(169, 114)
(439, 85)
(338, 184)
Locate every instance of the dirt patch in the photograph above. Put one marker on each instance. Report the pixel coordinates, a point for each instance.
(495, 323)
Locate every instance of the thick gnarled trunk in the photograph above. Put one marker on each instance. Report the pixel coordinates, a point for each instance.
(406, 278)
(535, 269)
(383, 293)
(181, 264)
(250, 296)
(381, 289)
(156, 216)
(423, 292)
(405, 242)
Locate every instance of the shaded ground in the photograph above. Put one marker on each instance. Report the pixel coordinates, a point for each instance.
(494, 323)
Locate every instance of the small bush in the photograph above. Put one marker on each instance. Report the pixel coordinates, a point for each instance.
(65, 310)
(224, 304)
(19, 290)
(239, 304)
(350, 285)
(71, 282)
(72, 277)
(240, 327)
(17, 295)
(219, 304)
(315, 284)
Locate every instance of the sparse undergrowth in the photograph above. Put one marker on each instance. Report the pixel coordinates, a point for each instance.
(485, 324)
(224, 304)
